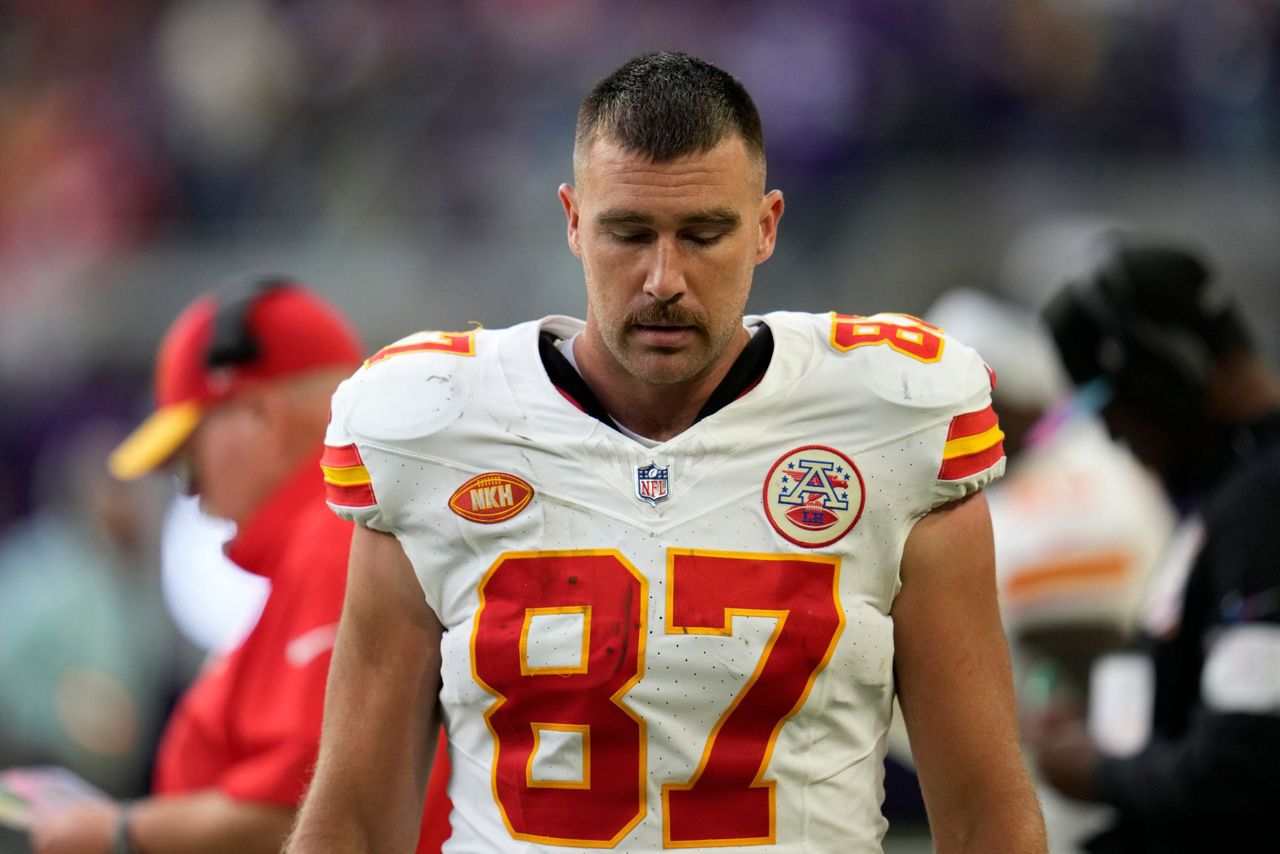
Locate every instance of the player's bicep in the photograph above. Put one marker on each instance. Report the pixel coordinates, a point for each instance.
(383, 600)
(386, 662)
(952, 671)
(379, 723)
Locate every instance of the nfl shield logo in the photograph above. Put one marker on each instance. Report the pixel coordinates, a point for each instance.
(651, 483)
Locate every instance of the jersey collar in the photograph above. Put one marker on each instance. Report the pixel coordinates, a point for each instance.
(744, 374)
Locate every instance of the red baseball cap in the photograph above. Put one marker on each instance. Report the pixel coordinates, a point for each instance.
(279, 328)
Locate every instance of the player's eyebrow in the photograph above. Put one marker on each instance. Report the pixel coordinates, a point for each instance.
(712, 216)
(623, 216)
(708, 216)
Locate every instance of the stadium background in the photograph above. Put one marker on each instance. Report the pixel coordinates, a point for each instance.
(402, 157)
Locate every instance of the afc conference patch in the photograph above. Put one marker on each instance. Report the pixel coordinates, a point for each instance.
(813, 496)
(652, 483)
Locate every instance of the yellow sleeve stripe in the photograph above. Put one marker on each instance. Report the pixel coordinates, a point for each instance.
(346, 475)
(972, 444)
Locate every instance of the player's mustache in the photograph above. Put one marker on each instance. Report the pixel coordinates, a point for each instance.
(668, 314)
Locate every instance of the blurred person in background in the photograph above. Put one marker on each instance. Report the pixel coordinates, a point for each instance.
(89, 662)
(1078, 525)
(1148, 331)
(214, 603)
(243, 383)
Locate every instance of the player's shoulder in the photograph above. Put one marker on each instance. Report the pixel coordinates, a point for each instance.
(430, 351)
(893, 357)
(416, 385)
(892, 381)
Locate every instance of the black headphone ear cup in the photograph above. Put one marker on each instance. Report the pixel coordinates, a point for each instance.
(233, 341)
(1161, 364)
(1165, 369)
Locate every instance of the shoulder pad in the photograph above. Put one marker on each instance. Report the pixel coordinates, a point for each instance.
(910, 363)
(409, 389)
(430, 341)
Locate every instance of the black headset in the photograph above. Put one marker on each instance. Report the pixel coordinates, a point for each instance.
(1148, 317)
(233, 341)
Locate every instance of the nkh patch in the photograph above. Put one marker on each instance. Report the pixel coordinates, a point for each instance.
(813, 496)
(491, 497)
(653, 483)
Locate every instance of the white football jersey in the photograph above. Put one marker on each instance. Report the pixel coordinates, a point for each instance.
(684, 646)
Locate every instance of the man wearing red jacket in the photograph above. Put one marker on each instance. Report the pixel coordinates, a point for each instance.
(243, 384)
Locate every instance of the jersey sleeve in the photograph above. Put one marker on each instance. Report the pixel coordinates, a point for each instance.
(929, 394)
(391, 411)
(963, 448)
(971, 455)
(348, 484)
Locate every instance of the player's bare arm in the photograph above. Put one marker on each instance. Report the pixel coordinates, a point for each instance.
(380, 710)
(955, 687)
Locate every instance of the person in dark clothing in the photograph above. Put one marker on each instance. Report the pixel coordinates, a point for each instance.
(1194, 399)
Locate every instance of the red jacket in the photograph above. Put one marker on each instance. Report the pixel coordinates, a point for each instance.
(250, 725)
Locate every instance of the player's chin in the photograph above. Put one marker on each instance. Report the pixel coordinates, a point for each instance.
(665, 367)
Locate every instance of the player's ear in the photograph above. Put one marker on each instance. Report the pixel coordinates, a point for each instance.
(771, 207)
(569, 199)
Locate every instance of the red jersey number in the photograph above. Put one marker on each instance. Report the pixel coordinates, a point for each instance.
(903, 333)
(727, 800)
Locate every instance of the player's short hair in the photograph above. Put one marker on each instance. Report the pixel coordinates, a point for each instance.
(666, 105)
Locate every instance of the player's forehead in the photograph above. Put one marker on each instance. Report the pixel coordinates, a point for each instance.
(616, 179)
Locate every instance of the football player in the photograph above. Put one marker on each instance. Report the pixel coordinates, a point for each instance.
(664, 570)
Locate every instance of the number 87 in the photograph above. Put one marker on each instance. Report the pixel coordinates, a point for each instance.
(727, 801)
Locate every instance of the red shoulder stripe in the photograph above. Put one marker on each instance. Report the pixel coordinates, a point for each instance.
(958, 468)
(341, 457)
(346, 480)
(360, 495)
(972, 423)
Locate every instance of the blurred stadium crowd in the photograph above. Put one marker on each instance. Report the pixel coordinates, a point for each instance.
(403, 156)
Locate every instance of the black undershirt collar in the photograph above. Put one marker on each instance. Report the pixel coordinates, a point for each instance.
(747, 370)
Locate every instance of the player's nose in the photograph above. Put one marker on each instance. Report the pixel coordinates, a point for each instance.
(665, 277)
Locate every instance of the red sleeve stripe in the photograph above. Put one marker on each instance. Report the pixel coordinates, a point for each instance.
(341, 457)
(360, 495)
(346, 480)
(972, 423)
(974, 444)
(958, 468)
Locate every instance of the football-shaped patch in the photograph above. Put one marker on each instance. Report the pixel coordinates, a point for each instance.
(813, 496)
(491, 497)
(812, 518)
